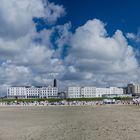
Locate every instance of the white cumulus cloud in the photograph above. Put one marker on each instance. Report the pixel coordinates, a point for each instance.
(23, 60)
(97, 57)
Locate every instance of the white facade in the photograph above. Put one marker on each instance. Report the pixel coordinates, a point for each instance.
(32, 92)
(92, 92)
(88, 92)
(16, 91)
(74, 92)
(108, 91)
(116, 90)
(101, 91)
(49, 92)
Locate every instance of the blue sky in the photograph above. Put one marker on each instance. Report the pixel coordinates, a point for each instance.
(118, 14)
(82, 42)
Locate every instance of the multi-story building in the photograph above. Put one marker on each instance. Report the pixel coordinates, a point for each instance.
(101, 91)
(16, 92)
(49, 92)
(74, 92)
(113, 92)
(33, 92)
(92, 92)
(88, 92)
(133, 89)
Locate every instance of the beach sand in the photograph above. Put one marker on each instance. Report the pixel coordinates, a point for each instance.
(109, 122)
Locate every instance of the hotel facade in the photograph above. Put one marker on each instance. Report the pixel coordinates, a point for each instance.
(93, 92)
(32, 92)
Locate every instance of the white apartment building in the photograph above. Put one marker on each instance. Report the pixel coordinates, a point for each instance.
(16, 92)
(88, 92)
(32, 92)
(74, 92)
(100, 92)
(92, 92)
(116, 90)
(49, 92)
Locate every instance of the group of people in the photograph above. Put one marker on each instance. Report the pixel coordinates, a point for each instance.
(46, 103)
(135, 101)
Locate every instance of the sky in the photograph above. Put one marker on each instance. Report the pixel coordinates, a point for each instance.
(117, 14)
(82, 42)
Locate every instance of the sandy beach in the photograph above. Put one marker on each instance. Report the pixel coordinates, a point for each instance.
(109, 122)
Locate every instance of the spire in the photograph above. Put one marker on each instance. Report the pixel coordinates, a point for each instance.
(55, 83)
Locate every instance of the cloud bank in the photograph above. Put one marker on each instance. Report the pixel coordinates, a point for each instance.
(99, 58)
(87, 56)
